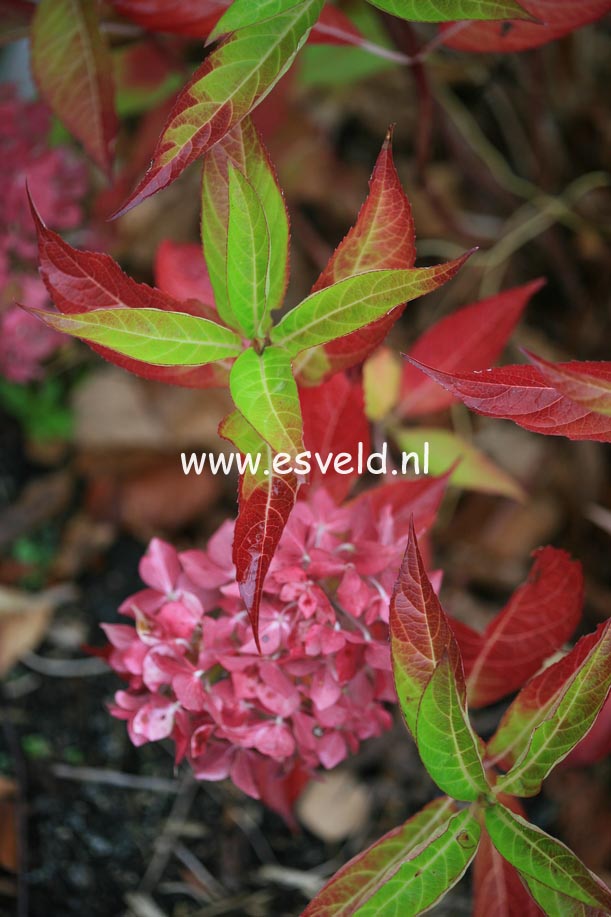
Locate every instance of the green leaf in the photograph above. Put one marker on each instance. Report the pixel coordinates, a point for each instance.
(475, 470)
(152, 335)
(350, 304)
(242, 150)
(449, 10)
(570, 717)
(248, 257)
(355, 883)
(446, 742)
(540, 857)
(265, 392)
(425, 878)
(72, 66)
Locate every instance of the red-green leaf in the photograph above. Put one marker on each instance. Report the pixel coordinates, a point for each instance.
(443, 10)
(356, 302)
(382, 238)
(265, 503)
(497, 887)
(554, 19)
(356, 882)
(233, 79)
(449, 748)
(84, 281)
(420, 634)
(540, 857)
(264, 391)
(538, 619)
(590, 388)
(472, 338)
(334, 422)
(575, 708)
(72, 67)
(416, 500)
(521, 394)
(540, 699)
(153, 336)
(424, 879)
(406, 871)
(181, 272)
(242, 149)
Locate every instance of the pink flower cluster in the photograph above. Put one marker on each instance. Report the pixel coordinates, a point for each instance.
(57, 181)
(323, 682)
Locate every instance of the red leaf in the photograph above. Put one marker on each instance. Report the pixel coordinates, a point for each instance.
(471, 338)
(497, 887)
(181, 272)
(520, 393)
(383, 237)
(335, 28)
(556, 18)
(265, 503)
(15, 17)
(334, 421)
(84, 281)
(72, 67)
(262, 516)
(197, 18)
(418, 499)
(540, 616)
(420, 634)
(590, 388)
(194, 18)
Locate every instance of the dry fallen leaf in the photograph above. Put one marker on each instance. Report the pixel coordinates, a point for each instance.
(24, 618)
(334, 807)
(115, 410)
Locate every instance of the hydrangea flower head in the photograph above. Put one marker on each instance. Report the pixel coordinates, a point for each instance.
(324, 680)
